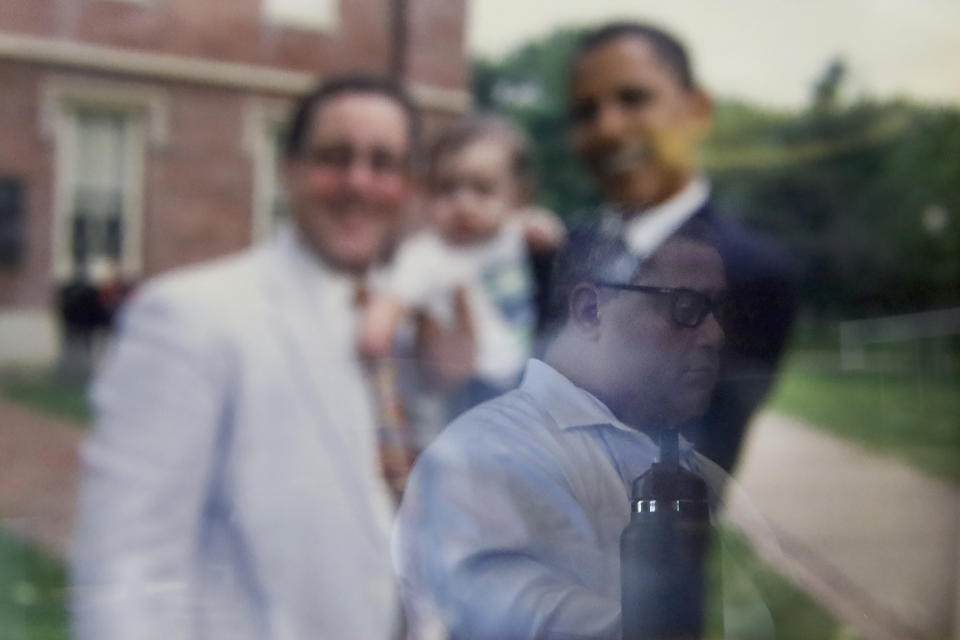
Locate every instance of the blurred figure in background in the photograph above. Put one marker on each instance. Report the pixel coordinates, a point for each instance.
(88, 306)
(473, 261)
(233, 481)
(637, 118)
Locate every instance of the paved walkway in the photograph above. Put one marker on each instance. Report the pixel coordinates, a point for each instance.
(38, 476)
(877, 542)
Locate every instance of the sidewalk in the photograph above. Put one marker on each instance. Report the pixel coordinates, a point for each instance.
(873, 540)
(39, 470)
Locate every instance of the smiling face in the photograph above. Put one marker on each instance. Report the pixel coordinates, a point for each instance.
(348, 185)
(634, 124)
(657, 372)
(473, 190)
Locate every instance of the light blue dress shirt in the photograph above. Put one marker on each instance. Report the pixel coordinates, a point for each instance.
(511, 522)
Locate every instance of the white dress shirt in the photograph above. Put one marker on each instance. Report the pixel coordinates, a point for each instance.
(511, 522)
(496, 277)
(646, 230)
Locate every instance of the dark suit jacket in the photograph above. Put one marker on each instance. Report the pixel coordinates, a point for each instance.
(762, 281)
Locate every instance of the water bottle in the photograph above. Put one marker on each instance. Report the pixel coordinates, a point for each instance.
(663, 551)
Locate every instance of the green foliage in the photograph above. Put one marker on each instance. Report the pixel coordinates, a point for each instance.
(826, 91)
(865, 193)
(910, 416)
(32, 593)
(755, 595)
(868, 197)
(48, 395)
(530, 86)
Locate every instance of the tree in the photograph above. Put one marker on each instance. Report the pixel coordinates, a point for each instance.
(530, 86)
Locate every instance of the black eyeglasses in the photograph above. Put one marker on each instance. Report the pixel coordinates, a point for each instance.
(688, 308)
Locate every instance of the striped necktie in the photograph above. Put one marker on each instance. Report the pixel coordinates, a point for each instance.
(394, 431)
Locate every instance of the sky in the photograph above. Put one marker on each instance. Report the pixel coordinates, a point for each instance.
(766, 51)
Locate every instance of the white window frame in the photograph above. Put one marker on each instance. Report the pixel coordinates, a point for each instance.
(264, 121)
(282, 13)
(147, 109)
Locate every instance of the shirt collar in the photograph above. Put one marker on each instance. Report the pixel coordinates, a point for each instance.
(646, 230)
(570, 406)
(333, 288)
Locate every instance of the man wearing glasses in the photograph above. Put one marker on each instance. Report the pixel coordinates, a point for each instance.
(233, 483)
(511, 521)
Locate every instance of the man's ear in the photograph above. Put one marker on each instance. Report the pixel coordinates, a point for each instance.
(584, 310)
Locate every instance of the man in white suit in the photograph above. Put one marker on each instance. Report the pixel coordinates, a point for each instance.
(233, 486)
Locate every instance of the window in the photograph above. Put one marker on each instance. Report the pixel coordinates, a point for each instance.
(319, 15)
(101, 158)
(101, 132)
(264, 144)
(99, 174)
(101, 169)
(274, 203)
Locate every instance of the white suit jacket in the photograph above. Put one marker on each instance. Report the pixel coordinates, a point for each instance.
(232, 487)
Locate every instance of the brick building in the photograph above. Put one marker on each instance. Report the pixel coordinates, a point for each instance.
(143, 134)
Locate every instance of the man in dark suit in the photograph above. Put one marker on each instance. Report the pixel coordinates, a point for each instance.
(637, 119)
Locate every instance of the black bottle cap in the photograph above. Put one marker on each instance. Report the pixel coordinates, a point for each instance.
(666, 480)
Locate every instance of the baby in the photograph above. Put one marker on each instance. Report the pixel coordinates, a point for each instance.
(470, 268)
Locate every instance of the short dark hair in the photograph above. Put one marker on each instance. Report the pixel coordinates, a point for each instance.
(301, 119)
(670, 50)
(487, 126)
(592, 252)
(598, 251)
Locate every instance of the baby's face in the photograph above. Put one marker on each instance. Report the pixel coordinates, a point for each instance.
(472, 192)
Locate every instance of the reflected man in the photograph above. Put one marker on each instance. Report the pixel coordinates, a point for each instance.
(511, 522)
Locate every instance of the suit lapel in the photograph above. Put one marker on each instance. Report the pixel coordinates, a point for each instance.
(316, 334)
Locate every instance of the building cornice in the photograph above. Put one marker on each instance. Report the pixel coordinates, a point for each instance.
(176, 68)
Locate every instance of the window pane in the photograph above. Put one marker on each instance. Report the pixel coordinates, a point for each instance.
(310, 13)
(100, 165)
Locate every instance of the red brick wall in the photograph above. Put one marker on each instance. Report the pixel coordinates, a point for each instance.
(437, 34)
(198, 187)
(225, 30)
(198, 198)
(24, 154)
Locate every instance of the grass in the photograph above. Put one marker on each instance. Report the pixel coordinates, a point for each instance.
(914, 417)
(754, 595)
(32, 593)
(33, 596)
(44, 393)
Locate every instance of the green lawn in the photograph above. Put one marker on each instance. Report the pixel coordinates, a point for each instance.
(33, 596)
(912, 416)
(760, 595)
(44, 393)
(32, 593)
